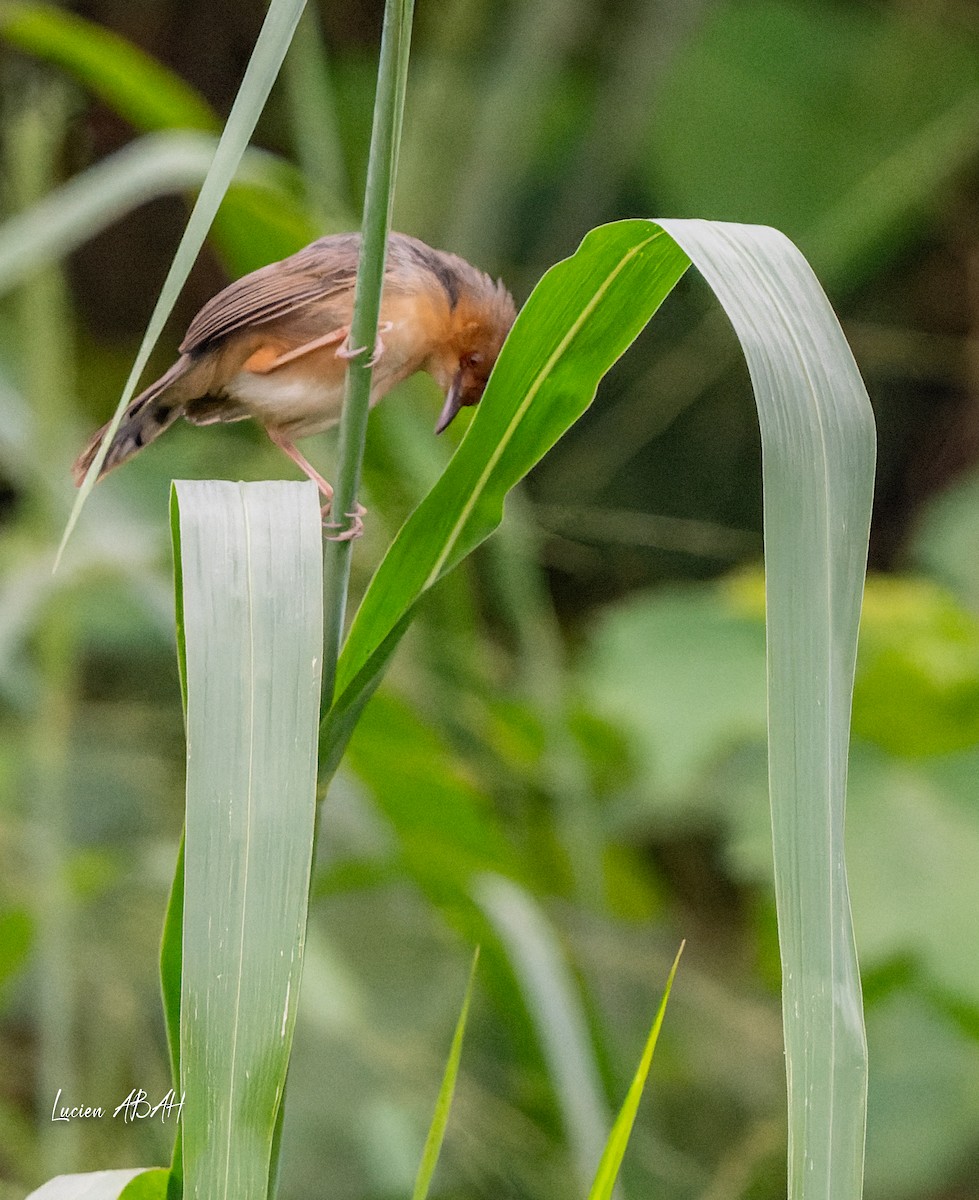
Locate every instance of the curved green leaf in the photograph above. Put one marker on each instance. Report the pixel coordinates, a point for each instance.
(818, 452)
(580, 318)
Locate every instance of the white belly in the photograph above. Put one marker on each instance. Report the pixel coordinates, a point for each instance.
(302, 404)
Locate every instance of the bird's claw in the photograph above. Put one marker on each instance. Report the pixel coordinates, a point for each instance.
(349, 352)
(345, 535)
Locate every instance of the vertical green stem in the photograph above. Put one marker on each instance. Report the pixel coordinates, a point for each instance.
(381, 170)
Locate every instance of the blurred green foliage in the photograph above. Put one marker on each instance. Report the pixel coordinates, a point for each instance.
(603, 744)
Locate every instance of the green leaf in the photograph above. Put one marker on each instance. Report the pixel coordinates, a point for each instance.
(171, 950)
(819, 449)
(818, 452)
(618, 1139)
(140, 1184)
(578, 321)
(443, 1105)
(131, 82)
(150, 1185)
(251, 578)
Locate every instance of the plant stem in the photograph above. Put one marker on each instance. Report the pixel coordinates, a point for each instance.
(381, 170)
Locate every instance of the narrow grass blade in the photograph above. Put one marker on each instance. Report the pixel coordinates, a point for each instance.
(552, 999)
(614, 1152)
(818, 448)
(270, 49)
(251, 577)
(443, 1105)
(140, 1184)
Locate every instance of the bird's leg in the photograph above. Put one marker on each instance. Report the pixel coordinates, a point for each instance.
(326, 489)
(265, 359)
(303, 463)
(348, 352)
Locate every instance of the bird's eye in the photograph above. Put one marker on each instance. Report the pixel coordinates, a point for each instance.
(472, 360)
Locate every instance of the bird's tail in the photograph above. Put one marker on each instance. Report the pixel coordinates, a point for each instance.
(147, 416)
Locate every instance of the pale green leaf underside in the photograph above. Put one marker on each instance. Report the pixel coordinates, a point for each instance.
(250, 561)
(818, 448)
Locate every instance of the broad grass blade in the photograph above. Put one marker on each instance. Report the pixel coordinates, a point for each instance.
(251, 578)
(270, 49)
(552, 1000)
(618, 1139)
(443, 1105)
(818, 447)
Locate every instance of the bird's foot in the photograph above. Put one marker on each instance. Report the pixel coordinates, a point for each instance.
(348, 352)
(345, 535)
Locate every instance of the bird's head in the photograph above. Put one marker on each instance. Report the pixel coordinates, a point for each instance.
(479, 324)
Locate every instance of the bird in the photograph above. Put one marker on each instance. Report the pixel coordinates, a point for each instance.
(274, 346)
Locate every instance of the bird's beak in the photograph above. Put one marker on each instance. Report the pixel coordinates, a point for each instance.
(453, 402)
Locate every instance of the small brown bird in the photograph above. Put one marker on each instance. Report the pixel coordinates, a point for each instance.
(274, 346)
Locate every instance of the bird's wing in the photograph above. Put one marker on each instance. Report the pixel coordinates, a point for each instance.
(324, 269)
